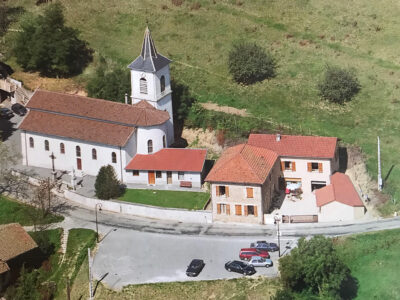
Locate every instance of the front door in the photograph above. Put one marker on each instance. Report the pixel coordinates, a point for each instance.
(79, 164)
(169, 177)
(152, 178)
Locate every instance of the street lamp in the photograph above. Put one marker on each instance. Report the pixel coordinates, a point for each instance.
(97, 226)
(277, 220)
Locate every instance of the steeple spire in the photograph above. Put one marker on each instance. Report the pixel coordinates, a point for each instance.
(149, 60)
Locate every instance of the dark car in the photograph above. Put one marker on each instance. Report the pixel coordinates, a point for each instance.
(19, 109)
(5, 113)
(195, 267)
(240, 267)
(263, 245)
(248, 253)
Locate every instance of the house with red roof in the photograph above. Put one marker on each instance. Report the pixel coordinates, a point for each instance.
(339, 201)
(242, 183)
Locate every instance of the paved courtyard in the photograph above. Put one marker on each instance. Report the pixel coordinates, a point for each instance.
(136, 257)
(306, 204)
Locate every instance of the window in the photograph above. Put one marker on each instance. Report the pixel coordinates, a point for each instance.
(289, 166)
(135, 172)
(249, 192)
(158, 174)
(314, 167)
(94, 154)
(143, 86)
(250, 210)
(46, 145)
(62, 148)
(162, 83)
(78, 151)
(31, 142)
(164, 141)
(223, 209)
(149, 146)
(181, 175)
(114, 157)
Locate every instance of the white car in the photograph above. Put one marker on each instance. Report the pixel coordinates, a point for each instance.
(257, 261)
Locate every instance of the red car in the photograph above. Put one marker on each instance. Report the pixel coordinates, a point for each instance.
(248, 253)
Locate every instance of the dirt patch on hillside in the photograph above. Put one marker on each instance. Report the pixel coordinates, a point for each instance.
(225, 109)
(366, 187)
(199, 138)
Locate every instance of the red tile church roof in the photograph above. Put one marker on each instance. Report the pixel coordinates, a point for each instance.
(341, 190)
(243, 164)
(296, 146)
(170, 159)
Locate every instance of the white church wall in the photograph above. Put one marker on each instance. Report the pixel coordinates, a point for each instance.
(154, 133)
(135, 87)
(39, 157)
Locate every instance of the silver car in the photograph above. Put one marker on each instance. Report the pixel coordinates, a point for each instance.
(257, 261)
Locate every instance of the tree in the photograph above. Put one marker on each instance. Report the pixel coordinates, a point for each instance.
(107, 186)
(48, 46)
(339, 85)
(249, 63)
(314, 266)
(109, 84)
(27, 285)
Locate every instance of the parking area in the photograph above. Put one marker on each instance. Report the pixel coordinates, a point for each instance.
(129, 257)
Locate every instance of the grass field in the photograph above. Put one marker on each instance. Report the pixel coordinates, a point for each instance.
(374, 260)
(14, 212)
(175, 199)
(304, 36)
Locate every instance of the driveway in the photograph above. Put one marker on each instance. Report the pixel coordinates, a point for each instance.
(131, 257)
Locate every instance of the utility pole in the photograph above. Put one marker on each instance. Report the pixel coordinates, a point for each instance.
(90, 276)
(380, 182)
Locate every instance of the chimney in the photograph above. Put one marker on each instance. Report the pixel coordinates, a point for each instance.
(278, 137)
(126, 98)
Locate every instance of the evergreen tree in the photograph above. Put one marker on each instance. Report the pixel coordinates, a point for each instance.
(48, 46)
(107, 186)
(27, 285)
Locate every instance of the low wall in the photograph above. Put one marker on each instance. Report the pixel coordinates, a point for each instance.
(170, 214)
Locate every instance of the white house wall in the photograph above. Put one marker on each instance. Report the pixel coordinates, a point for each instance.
(154, 133)
(142, 178)
(39, 157)
(337, 211)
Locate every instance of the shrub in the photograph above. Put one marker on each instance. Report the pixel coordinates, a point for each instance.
(249, 63)
(46, 45)
(107, 185)
(339, 85)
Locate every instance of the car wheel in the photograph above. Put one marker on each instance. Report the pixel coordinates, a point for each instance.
(267, 266)
(251, 266)
(229, 270)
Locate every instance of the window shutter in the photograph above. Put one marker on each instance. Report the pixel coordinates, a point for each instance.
(255, 211)
(228, 209)
(249, 192)
(227, 191)
(245, 210)
(309, 167)
(320, 167)
(217, 190)
(293, 166)
(218, 208)
(282, 166)
(238, 209)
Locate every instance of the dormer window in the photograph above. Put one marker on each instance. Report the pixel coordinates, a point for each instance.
(143, 85)
(162, 83)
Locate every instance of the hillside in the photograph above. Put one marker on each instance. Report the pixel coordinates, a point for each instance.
(303, 35)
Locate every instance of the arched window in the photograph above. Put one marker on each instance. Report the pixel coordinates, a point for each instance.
(31, 142)
(114, 157)
(94, 154)
(162, 83)
(46, 145)
(62, 148)
(143, 85)
(164, 141)
(149, 146)
(78, 151)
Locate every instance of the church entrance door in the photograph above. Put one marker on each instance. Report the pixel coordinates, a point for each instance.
(169, 177)
(79, 164)
(152, 178)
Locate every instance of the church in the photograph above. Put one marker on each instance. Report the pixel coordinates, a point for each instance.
(82, 134)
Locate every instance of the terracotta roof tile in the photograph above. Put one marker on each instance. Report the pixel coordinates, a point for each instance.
(77, 128)
(297, 146)
(243, 164)
(4, 267)
(170, 159)
(341, 190)
(135, 115)
(14, 241)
